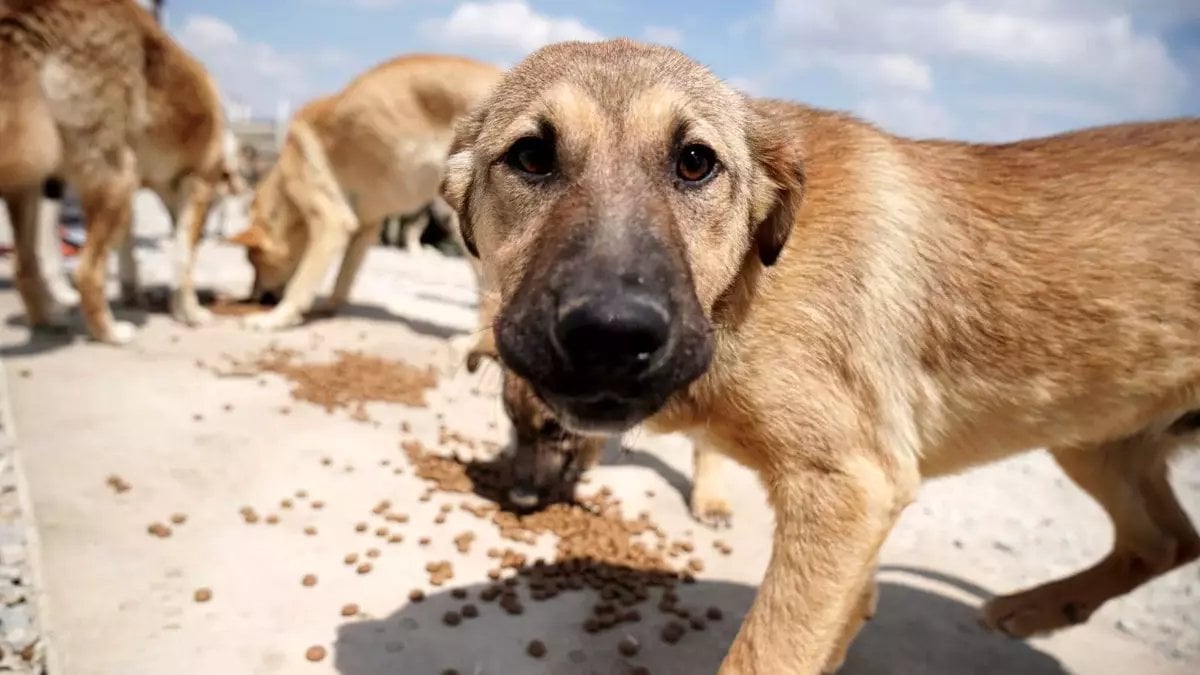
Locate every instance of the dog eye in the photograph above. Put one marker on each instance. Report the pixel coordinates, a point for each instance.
(531, 155)
(696, 162)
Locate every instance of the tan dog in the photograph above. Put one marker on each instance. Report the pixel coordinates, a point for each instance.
(95, 91)
(375, 149)
(548, 460)
(845, 311)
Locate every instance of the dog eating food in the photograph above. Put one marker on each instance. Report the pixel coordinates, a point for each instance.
(958, 303)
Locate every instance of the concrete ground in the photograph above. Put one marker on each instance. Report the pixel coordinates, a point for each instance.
(118, 601)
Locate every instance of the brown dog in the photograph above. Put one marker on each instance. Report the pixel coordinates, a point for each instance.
(375, 149)
(95, 91)
(845, 311)
(548, 460)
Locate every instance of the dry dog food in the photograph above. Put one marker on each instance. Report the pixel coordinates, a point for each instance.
(536, 649)
(118, 484)
(159, 530)
(202, 595)
(315, 654)
(350, 609)
(309, 580)
(451, 618)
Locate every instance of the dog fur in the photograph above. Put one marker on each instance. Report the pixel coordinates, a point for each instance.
(96, 92)
(375, 149)
(851, 312)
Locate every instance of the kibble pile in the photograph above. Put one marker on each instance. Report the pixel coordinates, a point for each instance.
(630, 566)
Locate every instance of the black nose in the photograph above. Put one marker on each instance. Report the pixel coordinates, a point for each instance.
(619, 334)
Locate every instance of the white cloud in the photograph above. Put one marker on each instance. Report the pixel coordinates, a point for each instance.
(508, 27)
(248, 73)
(1091, 43)
(663, 35)
(908, 115)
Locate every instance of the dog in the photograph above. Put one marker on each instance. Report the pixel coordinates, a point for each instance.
(94, 92)
(845, 311)
(350, 160)
(548, 460)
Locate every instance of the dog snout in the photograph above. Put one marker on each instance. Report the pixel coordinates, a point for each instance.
(625, 333)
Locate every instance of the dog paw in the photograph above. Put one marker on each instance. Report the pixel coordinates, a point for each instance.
(1031, 613)
(714, 512)
(190, 312)
(119, 333)
(272, 320)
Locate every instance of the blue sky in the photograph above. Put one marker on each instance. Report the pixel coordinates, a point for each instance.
(973, 69)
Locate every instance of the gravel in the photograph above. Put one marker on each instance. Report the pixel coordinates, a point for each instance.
(22, 650)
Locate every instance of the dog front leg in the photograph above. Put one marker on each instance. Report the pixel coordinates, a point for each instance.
(327, 246)
(352, 261)
(831, 518)
(195, 200)
(708, 501)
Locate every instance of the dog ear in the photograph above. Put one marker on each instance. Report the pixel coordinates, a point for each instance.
(460, 173)
(779, 185)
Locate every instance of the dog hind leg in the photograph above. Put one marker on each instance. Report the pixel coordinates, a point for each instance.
(1152, 535)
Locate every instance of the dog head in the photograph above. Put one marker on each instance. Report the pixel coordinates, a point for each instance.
(615, 191)
(274, 238)
(547, 460)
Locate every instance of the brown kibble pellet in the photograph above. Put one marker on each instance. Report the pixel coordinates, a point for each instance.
(361, 527)
(272, 519)
(469, 611)
(179, 518)
(372, 553)
(364, 568)
(697, 623)
(672, 632)
(628, 647)
(159, 530)
(202, 595)
(494, 574)
(423, 541)
(250, 518)
(350, 558)
(318, 505)
(350, 609)
(198, 417)
(315, 654)
(301, 494)
(326, 461)
(416, 595)
(405, 427)
(714, 614)
(459, 593)
(381, 532)
(309, 580)
(451, 618)
(287, 504)
(439, 520)
(395, 539)
(536, 649)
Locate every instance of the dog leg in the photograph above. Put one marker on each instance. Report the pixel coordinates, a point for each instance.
(322, 250)
(1152, 535)
(50, 254)
(107, 206)
(127, 270)
(414, 230)
(195, 200)
(831, 518)
(356, 252)
(860, 613)
(708, 501)
(30, 278)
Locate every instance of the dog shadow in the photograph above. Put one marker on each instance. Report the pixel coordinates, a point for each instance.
(379, 313)
(915, 631)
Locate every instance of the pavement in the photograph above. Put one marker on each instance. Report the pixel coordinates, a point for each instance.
(116, 601)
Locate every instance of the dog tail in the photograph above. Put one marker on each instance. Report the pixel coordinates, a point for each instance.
(309, 180)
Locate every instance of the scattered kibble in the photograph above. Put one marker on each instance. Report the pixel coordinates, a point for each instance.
(309, 580)
(178, 518)
(416, 595)
(315, 654)
(536, 649)
(350, 609)
(364, 568)
(159, 530)
(628, 646)
(451, 618)
(202, 595)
